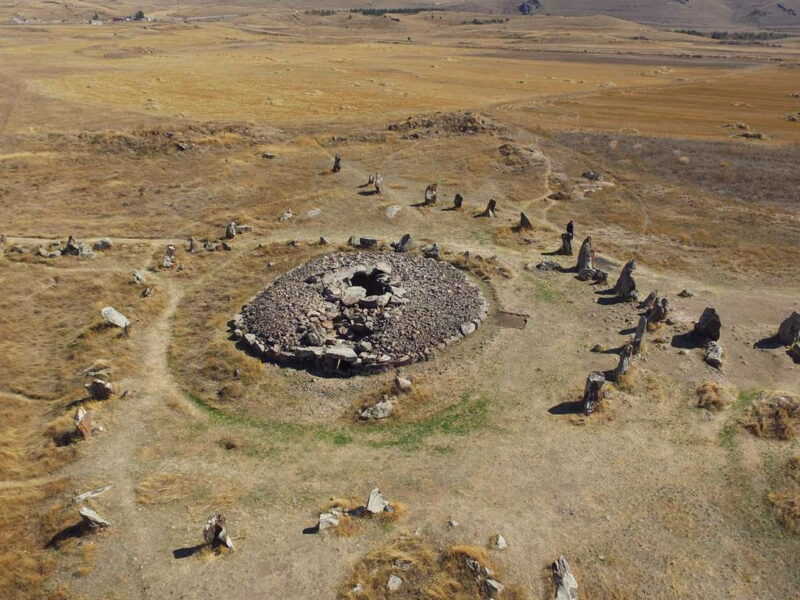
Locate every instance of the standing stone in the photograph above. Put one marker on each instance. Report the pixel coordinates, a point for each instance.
(230, 231)
(649, 301)
(371, 179)
(405, 244)
(193, 246)
(789, 330)
(566, 584)
(524, 222)
(566, 244)
(376, 503)
(638, 337)
(215, 533)
(592, 392)
(83, 422)
(586, 255)
(337, 163)
(169, 258)
(625, 287)
(659, 311)
(491, 208)
(624, 364)
(709, 325)
(2, 243)
(430, 194)
(99, 389)
(458, 202)
(379, 184)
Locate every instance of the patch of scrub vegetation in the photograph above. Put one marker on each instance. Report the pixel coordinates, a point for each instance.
(728, 431)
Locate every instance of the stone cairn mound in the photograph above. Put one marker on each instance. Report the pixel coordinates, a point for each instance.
(344, 313)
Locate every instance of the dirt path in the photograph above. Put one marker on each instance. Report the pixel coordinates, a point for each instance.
(110, 460)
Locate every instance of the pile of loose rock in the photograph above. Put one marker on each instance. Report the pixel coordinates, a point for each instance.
(350, 312)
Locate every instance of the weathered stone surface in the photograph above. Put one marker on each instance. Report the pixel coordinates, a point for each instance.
(492, 588)
(327, 521)
(351, 295)
(83, 422)
(648, 302)
(138, 277)
(491, 209)
(586, 255)
(430, 194)
(99, 389)
(113, 316)
(90, 494)
(376, 503)
(624, 364)
(659, 312)
(638, 337)
(367, 242)
(405, 244)
(548, 265)
(566, 245)
(379, 410)
(403, 384)
(169, 258)
(709, 325)
(789, 330)
(379, 184)
(215, 532)
(91, 519)
(343, 353)
(431, 250)
(625, 287)
(566, 584)
(713, 354)
(592, 392)
(103, 244)
(394, 583)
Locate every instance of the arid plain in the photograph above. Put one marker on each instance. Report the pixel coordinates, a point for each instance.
(149, 134)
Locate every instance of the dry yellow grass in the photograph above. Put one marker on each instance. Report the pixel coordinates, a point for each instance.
(427, 571)
(713, 396)
(774, 415)
(162, 488)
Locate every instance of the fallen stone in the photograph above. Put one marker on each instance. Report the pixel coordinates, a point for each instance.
(113, 316)
(99, 389)
(327, 521)
(391, 211)
(394, 583)
(380, 410)
(789, 330)
(501, 542)
(90, 494)
(91, 519)
(402, 384)
(366, 242)
(352, 295)
(566, 584)
(492, 587)
(649, 301)
(343, 353)
(285, 216)
(431, 251)
(548, 265)
(686, 293)
(713, 354)
(709, 325)
(103, 244)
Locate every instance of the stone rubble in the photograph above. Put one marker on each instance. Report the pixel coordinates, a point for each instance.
(348, 312)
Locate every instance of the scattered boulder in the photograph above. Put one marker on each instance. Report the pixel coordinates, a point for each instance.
(431, 250)
(103, 244)
(625, 287)
(592, 392)
(686, 293)
(215, 532)
(328, 520)
(789, 330)
(591, 175)
(500, 542)
(709, 325)
(394, 583)
(380, 410)
(492, 588)
(548, 265)
(99, 389)
(402, 384)
(566, 584)
(138, 277)
(287, 215)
